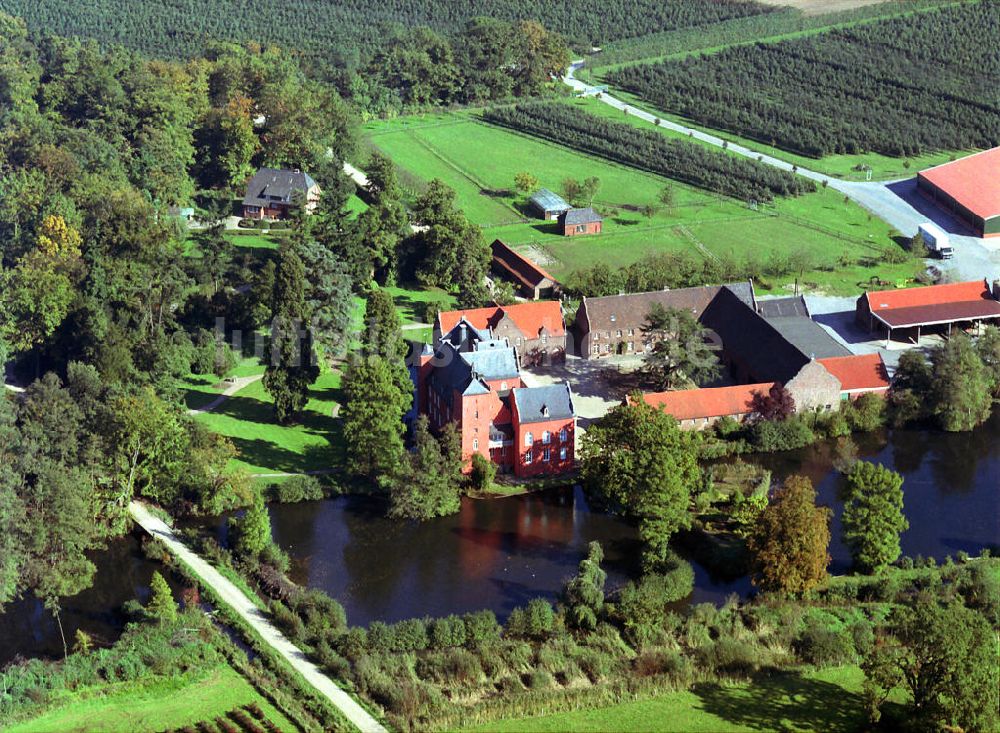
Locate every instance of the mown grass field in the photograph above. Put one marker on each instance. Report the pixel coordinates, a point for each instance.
(153, 706)
(828, 700)
(312, 442)
(479, 161)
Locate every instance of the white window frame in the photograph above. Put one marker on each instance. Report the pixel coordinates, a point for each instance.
(563, 435)
(546, 455)
(529, 440)
(475, 444)
(527, 457)
(562, 453)
(546, 437)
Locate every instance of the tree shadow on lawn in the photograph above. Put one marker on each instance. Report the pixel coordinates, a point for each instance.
(270, 454)
(786, 702)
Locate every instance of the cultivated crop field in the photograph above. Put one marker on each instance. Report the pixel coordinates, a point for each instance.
(479, 161)
(900, 86)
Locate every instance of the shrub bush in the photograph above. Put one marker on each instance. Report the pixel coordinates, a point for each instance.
(824, 646)
(447, 632)
(295, 489)
(779, 435)
(481, 626)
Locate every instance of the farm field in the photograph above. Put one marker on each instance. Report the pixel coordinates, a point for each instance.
(154, 706)
(786, 22)
(827, 700)
(875, 86)
(844, 166)
(479, 161)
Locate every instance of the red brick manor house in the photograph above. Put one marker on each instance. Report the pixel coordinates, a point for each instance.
(472, 377)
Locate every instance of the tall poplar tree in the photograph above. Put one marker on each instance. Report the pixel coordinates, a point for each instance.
(373, 411)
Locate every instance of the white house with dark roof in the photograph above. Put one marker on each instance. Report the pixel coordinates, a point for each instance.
(272, 192)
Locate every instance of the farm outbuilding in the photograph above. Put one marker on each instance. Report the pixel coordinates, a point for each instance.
(917, 310)
(528, 278)
(968, 187)
(548, 205)
(580, 221)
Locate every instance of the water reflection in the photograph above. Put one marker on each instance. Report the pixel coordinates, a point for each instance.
(493, 554)
(123, 573)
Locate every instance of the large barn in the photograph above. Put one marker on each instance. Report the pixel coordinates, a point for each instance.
(969, 187)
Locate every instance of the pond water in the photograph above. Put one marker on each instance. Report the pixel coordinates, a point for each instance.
(27, 629)
(500, 553)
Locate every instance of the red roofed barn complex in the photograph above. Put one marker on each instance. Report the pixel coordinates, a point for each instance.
(914, 309)
(969, 187)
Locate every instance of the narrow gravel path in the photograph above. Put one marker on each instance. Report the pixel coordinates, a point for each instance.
(238, 602)
(238, 384)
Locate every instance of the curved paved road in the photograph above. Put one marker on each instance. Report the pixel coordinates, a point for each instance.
(235, 599)
(888, 200)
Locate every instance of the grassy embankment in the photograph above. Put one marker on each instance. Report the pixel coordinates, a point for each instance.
(828, 700)
(479, 161)
(161, 704)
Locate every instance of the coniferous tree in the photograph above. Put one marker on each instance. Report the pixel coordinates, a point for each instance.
(372, 415)
(161, 604)
(291, 370)
(427, 483)
(873, 515)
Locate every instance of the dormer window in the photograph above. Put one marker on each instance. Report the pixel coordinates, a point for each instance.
(613, 319)
(545, 410)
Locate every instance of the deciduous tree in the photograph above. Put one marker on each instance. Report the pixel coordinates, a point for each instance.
(372, 415)
(639, 462)
(790, 543)
(678, 348)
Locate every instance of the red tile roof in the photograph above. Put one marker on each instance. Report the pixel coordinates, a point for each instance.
(933, 304)
(860, 373)
(691, 404)
(973, 181)
(518, 266)
(530, 318)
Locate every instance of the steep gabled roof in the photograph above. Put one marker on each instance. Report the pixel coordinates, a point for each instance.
(518, 266)
(862, 372)
(759, 346)
(276, 186)
(933, 304)
(693, 404)
(538, 404)
(530, 318)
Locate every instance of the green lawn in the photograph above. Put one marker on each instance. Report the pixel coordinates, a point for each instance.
(479, 161)
(310, 443)
(155, 706)
(410, 302)
(828, 700)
